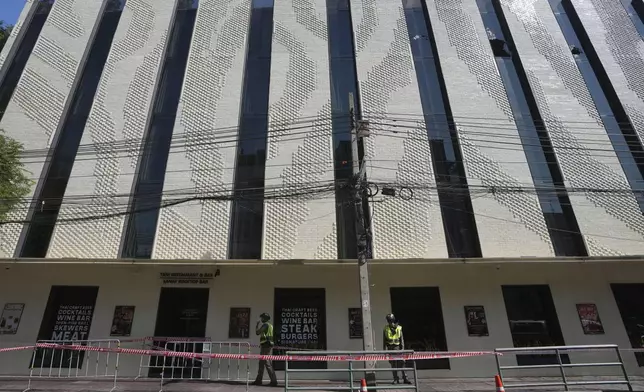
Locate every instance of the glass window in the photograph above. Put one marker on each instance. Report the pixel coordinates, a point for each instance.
(141, 226)
(629, 298)
(69, 136)
(542, 161)
(635, 10)
(25, 47)
(344, 82)
(248, 208)
(619, 128)
(456, 207)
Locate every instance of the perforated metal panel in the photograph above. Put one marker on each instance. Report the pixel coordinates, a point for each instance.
(207, 121)
(509, 225)
(401, 228)
(612, 224)
(40, 97)
(115, 129)
(300, 134)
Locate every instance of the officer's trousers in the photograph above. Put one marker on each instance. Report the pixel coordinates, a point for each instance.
(268, 364)
(397, 364)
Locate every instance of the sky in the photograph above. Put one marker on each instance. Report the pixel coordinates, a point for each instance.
(10, 10)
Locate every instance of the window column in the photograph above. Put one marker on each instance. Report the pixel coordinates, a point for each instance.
(141, 225)
(456, 205)
(65, 147)
(248, 207)
(546, 174)
(25, 47)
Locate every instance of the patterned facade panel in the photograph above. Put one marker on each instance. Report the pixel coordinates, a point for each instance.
(621, 51)
(102, 180)
(9, 46)
(300, 97)
(388, 85)
(509, 224)
(202, 155)
(39, 99)
(611, 222)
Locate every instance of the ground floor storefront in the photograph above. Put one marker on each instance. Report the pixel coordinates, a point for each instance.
(457, 307)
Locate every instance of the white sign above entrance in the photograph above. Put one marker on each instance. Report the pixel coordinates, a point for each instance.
(186, 277)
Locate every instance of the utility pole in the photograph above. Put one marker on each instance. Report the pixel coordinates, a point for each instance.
(359, 129)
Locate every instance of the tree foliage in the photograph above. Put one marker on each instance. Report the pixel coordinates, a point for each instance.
(15, 183)
(5, 30)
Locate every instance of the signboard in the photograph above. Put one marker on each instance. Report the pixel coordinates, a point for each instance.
(589, 318)
(186, 277)
(299, 327)
(239, 325)
(355, 323)
(476, 321)
(122, 321)
(10, 320)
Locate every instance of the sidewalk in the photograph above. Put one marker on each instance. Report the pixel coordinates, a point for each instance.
(152, 385)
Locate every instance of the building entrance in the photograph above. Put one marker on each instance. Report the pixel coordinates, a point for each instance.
(630, 302)
(300, 322)
(418, 310)
(182, 313)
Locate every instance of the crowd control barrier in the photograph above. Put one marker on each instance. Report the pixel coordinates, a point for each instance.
(56, 359)
(558, 351)
(206, 369)
(151, 364)
(352, 368)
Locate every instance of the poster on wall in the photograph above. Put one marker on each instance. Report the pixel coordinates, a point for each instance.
(590, 321)
(239, 325)
(10, 320)
(122, 321)
(299, 328)
(476, 321)
(355, 323)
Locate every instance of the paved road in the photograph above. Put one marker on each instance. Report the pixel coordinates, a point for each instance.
(426, 385)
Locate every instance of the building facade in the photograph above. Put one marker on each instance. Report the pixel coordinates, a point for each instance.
(195, 157)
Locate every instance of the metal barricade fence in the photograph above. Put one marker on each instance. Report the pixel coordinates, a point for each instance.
(154, 364)
(558, 351)
(62, 360)
(350, 370)
(207, 369)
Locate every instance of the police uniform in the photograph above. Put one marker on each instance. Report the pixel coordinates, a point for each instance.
(266, 342)
(393, 340)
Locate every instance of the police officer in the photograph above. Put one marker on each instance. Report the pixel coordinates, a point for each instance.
(393, 340)
(265, 331)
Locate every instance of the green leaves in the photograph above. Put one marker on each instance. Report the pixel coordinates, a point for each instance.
(15, 182)
(5, 30)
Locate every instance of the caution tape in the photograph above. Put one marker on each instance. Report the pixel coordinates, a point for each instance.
(19, 348)
(204, 341)
(299, 358)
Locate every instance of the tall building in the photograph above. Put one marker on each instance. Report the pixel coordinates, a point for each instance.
(191, 158)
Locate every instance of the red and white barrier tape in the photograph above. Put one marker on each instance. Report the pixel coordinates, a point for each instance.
(305, 358)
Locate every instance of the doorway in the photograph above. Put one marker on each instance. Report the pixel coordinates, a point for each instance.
(630, 302)
(419, 312)
(533, 322)
(300, 323)
(182, 314)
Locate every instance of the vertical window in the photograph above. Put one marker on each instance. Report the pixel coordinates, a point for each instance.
(456, 206)
(248, 207)
(344, 82)
(25, 47)
(630, 302)
(65, 146)
(533, 322)
(546, 175)
(635, 10)
(619, 128)
(141, 226)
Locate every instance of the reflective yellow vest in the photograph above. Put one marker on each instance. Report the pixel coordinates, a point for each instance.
(393, 337)
(267, 334)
